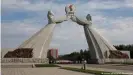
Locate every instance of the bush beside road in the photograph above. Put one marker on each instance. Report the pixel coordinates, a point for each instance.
(46, 65)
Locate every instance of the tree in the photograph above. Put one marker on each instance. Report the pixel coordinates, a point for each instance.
(76, 56)
(82, 53)
(51, 59)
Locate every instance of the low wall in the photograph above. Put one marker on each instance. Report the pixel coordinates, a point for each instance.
(24, 60)
(45, 60)
(130, 61)
(110, 61)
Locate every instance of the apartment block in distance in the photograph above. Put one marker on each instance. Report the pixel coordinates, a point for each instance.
(53, 53)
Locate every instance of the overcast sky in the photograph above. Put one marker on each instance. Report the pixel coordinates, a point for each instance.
(22, 18)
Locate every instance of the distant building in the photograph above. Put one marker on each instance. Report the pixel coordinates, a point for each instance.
(53, 53)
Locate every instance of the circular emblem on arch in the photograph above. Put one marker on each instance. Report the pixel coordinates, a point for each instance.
(72, 7)
(70, 10)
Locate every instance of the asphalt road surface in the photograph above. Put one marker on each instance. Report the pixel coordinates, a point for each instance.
(110, 66)
(39, 71)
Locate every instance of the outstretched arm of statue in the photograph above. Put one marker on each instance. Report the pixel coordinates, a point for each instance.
(78, 20)
(82, 21)
(52, 19)
(60, 20)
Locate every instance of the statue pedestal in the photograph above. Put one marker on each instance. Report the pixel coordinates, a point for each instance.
(25, 60)
(96, 61)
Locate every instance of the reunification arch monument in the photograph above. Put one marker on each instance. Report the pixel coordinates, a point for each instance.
(40, 41)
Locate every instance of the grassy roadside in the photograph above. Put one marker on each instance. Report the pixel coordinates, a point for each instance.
(96, 72)
(46, 65)
(124, 63)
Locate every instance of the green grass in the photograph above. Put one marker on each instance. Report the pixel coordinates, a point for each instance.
(127, 63)
(46, 65)
(90, 71)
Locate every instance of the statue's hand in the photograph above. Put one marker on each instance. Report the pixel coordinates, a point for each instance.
(88, 17)
(50, 16)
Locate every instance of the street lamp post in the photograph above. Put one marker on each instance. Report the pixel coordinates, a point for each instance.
(84, 64)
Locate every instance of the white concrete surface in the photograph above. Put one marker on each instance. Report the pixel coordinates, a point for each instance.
(40, 41)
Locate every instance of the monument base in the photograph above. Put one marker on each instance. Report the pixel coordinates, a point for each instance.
(96, 61)
(25, 60)
(110, 61)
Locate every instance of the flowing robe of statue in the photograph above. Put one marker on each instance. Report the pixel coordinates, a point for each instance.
(98, 45)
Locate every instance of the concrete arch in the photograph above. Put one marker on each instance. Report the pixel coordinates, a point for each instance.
(41, 40)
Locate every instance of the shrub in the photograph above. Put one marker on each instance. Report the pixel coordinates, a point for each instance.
(46, 65)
